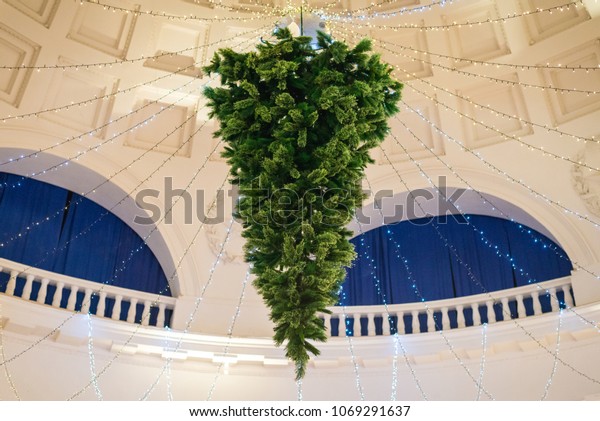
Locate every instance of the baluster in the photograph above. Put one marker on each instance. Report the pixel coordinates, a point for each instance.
(415, 321)
(505, 308)
(146, 313)
(12, 283)
(371, 324)
(521, 312)
(400, 328)
(491, 314)
(460, 316)
(537, 306)
(343, 329)
(101, 309)
(553, 299)
(58, 294)
(445, 319)
(568, 298)
(132, 310)
(72, 298)
(43, 292)
(87, 301)
(27, 288)
(386, 328)
(476, 314)
(430, 320)
(327, 323)
(116, 312)
(160, 319)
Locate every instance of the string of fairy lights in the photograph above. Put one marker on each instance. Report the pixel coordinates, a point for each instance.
(504, 215)
(506, 311)
(414, 284)
(261, 13)
(466, 24)
(417, 164)
(555, 362)
(124, 263)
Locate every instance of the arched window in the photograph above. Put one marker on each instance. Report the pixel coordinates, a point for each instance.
(448, 256)
(51, 228)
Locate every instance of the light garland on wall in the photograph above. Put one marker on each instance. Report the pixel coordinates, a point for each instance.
(496, 64)
(397, 342)
(173, 275)
(422, 298)
(518, 139)
(190, 17)
(299, 385)
(124, 61)
(353, 359)
(403, 11)
(505, 216)
(85, 102)
(129, 194)
(482, 361)
(470, 24)
(472, 277)
(124, 263)
(503, 173)
(555, 362)
(497, 80)
(92, 358)
(477, 75)
(505, 311)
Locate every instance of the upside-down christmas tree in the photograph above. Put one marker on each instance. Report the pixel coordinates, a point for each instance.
(298, 123)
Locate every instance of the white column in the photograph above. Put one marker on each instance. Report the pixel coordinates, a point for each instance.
(460, 316)
(400, 324)
(12, 283)
(101, 309)
(87, 300)
(160, 319)
(58, 294)
(27, 288)
(132, 310)
(553, 299)
(430, 320)
(505, 309)
(327, 323)
(415, 321)
(521, 312)
(445, 319)
(476, 314)
(146, 313)
(537, 307)
(43, 292)
(568, 298)
(72, 298)
(116, 311)
(386, 325)
(491, 314)
(371, 324)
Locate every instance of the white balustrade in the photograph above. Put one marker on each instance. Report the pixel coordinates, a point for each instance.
(472, 310)
(53, 286)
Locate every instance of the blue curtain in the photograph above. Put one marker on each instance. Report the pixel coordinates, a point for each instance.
(51, 228)
(411, 261)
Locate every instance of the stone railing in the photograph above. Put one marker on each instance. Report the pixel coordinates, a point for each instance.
(83, 296)
(473, 310)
